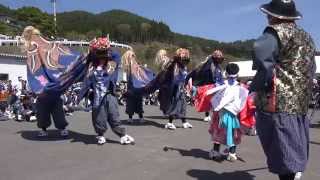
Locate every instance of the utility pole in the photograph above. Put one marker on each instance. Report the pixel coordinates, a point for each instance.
(54, 16)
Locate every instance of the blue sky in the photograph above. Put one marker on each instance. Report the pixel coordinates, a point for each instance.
(223, 20)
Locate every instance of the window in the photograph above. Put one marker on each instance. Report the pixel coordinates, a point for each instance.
(4, 77)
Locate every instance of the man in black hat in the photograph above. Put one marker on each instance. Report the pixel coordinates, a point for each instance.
(285, 64)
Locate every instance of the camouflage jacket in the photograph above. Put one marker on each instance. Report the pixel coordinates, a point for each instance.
(292, 72)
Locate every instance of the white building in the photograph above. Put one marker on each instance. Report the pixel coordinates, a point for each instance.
(246, 68)
(4, 37)
(12, 66)
(318, 64)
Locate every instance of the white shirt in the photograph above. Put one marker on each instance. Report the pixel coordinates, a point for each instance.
(230, 97)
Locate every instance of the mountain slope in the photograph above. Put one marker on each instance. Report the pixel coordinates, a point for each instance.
(121, 26)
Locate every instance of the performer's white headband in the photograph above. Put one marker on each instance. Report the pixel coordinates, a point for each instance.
(232, 75)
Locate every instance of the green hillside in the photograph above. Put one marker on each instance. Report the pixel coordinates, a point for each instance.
(145, 35)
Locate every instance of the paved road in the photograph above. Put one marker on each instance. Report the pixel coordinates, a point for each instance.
(24, 157)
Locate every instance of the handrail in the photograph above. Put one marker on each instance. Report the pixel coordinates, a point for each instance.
(66, 43)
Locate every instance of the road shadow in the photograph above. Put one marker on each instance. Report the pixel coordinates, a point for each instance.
(314, 143)
(157, 117)
(195, 119)
(315, 125)
(54, 135)
(166, 117)
(146, 123)
(198, 153)
(210, 175)
(88, 139)
(4, 118)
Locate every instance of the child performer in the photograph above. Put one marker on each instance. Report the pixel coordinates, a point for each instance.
(227, 102)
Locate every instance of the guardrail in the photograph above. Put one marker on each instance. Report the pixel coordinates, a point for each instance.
(13, 55)
(14, 42)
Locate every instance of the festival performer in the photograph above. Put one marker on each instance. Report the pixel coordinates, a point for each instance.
(138, 76)
(102, 78)
(162, 59)
(227, 102)
(170, 82)
(207, 74)
(51, 69)
(247, 115)
(284, 57)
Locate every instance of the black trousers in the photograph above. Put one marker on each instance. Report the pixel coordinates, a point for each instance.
(50, 106)
(107, 112)
(134, 104)
(3, 106)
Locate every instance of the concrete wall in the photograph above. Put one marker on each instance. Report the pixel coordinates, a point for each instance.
(14, 67)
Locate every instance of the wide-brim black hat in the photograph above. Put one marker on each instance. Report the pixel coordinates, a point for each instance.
(282, 9)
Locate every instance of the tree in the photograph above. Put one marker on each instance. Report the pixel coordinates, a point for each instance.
(35, 17)
(121, 25)
(75, 36)
(145, 31)
(124, 32)
(93, 33)
(4, 29)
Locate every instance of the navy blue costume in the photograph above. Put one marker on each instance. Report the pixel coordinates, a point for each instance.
(171, 90)
(134, 104)
(209, 72)
(105, 104)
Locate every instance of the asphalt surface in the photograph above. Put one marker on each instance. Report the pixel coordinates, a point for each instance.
(158, 154)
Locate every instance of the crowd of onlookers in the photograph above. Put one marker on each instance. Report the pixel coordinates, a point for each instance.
(17, 102)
